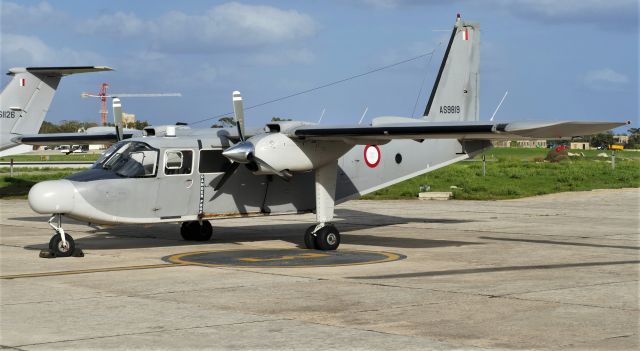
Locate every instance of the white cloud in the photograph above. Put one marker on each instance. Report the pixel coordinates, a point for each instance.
(605, 79)
(16, 16)
(230, 25)
(604, 12)
(119, 24)
(384, 4)
(25, 50)
(283, 57)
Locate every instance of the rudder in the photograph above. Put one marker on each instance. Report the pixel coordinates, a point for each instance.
(456, 92)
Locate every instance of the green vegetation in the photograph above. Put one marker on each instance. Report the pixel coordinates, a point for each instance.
(514, 174)
(72, 126)
(24, 178)
(54, 157)
(504, 154)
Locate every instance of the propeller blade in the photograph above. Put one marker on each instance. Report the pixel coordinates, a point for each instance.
(117, 117)
(238, 112)
(227, 174)
(286, 175)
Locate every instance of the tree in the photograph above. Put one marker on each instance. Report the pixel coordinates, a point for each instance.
(140, 124)
(225, 122)
(278, 119)
(634, 138)
(602, 140)
(48, 127)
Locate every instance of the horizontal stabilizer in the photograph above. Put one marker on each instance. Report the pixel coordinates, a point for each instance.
(58, 71)
(74, 138)
(454, 130)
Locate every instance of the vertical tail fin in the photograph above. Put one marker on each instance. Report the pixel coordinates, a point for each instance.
(456, 91)
(25, 101)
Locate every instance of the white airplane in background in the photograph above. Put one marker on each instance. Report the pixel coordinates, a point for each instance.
(24, 102)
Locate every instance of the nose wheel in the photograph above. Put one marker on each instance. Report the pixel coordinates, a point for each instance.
(61, 244)
(62, 248)
(322, 237)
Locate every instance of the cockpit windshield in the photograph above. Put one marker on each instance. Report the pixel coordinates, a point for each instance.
(131, 159)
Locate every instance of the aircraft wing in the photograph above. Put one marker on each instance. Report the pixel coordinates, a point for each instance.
(73, 138)
(451, 130)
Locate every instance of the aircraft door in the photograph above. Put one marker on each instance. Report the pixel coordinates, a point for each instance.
(178, 189)
(212, 166)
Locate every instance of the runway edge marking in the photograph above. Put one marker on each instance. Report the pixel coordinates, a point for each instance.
(94, 270)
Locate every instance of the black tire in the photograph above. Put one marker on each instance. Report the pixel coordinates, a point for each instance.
(309, 238)
(193, 231)
(327, 238)
(55, 245)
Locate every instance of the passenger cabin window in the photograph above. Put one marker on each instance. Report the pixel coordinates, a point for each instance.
(212, 161)
(178, 162)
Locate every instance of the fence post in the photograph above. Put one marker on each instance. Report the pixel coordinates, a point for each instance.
(484, 165)
(613, 159)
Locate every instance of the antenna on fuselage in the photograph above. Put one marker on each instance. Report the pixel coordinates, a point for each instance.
(322, 115)
(363, 114)
(500, 104)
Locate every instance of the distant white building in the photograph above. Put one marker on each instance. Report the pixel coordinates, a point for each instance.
(580, 145)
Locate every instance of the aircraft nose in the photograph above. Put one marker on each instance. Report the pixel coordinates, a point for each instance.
(52, 196)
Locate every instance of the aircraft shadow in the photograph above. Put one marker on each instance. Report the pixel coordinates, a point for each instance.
(554, 242)
(165, 235)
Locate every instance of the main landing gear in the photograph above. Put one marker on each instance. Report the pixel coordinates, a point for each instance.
(322, 237)
(61, 244)
(196, 230)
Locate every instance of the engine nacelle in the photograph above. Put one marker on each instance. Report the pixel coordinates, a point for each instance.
(282, 153)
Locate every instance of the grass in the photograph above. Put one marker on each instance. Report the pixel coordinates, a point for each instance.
(522, 154)
(508, 178)
(53, 157)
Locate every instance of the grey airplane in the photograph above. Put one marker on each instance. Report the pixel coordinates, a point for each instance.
(191, 176)
(24, 102)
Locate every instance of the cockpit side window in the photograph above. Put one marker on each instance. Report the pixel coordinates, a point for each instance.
(212, 161)
(130, 159)
(178, 162)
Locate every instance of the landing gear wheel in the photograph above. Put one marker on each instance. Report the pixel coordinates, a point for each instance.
(327, 238)
(59, 249)
(309, 238)
(194, 231)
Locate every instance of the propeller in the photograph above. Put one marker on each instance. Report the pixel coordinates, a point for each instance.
(243, 152)
(227, 174)
(238, 116)
(117, 117)
(238, 112)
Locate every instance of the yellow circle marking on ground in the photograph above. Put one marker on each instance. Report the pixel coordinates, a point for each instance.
(178, 259)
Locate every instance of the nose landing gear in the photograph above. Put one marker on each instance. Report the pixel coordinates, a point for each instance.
(61, 244)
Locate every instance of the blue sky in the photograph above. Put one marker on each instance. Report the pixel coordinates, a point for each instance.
(559, 59)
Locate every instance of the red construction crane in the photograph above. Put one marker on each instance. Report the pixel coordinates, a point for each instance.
(103, 104)
(103, 96)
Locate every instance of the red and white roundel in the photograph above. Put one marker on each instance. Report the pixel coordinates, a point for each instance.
(372, 155)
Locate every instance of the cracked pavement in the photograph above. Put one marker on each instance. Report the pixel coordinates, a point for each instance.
(555, 272)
